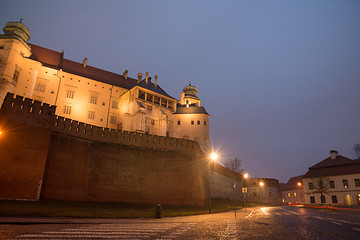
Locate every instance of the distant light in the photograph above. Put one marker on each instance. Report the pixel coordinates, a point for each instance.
(261, 184)
(246, 175)
(299, 184)
(213, 156)
(0, 132)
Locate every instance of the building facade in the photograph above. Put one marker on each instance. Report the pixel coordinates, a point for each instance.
(95, 96)
(333, 181)
(292, 192)
(262, 190)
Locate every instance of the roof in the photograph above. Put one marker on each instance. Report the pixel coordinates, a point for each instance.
(292, 183)
(151, 86)
(333, 167)
(53, 59)
(192, 109)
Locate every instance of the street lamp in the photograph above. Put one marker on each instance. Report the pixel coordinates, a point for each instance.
(261, 185)
(213, 157)
(244, 189)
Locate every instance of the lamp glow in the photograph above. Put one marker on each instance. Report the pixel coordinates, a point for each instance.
(261, 184)
(246, 175)
(299, 184)
(213, 156)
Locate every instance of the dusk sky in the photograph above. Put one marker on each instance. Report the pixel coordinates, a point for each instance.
(280, 79)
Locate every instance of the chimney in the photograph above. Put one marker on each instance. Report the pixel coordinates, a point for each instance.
(333, 154)
(84, 62)
(147, 76)
(125, 73)
(139, 77)
(156, 76)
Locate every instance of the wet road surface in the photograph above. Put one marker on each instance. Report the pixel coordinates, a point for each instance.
(285, 222)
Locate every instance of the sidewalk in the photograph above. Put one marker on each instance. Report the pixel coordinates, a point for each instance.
(240, 213)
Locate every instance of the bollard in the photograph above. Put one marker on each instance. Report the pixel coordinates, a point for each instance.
(158, 211)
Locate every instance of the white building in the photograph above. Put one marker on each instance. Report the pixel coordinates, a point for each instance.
(333, 181)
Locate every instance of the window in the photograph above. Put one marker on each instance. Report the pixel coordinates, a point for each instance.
(115, 104)
(311, 186)
(289, 195)
(93, 99)
(332, 184)
(91, 115)
(179, 122)
(198, 122)
(345, 183)
(157, 100)
(204, 123)
(149, 97)
(40, 87)
(67, 109)
(312, 199)
(163, 102)
(270, 194)
(322, 198)
(192, 122)
(2, 47)
(16, 75)
(294, 194)
(141, 94)
(113, 119)
(334, 199)
(70, 94)
(357, 182)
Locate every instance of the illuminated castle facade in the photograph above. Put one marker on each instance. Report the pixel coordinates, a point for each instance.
(95, 96)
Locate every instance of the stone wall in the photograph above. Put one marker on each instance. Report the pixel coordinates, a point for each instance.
(24, 142)
(56, 158)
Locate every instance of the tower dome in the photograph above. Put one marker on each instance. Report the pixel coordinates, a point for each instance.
(190, 91)
(17, 30)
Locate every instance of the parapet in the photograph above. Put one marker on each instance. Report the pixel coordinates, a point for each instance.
(107, 135)
(19, 105)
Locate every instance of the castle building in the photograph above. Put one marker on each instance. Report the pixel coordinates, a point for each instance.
(95, 96)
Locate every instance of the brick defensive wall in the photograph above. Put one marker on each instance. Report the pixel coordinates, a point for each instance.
(44, 156)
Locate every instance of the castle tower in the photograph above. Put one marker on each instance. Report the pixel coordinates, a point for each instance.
(191, 121)
(17, 72)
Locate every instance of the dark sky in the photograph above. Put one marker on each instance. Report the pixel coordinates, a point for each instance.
(280, 79)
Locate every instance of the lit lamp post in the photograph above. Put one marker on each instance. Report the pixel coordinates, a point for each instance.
(213, 158)
(244, 189)
(261, 185)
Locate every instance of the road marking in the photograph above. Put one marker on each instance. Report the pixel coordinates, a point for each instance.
(178, 232)
(230, 231)
(252, 212)
(110, 231)
(337, 223)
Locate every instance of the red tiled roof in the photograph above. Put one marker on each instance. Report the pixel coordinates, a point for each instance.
(292, 183)
(53, 59)
(333, 167)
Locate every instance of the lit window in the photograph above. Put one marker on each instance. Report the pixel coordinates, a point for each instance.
(91, 115)
(332, 184)
(179, 122)
(113, 119)
(40, 87)
(93, 99)
(357, 182)
(311, 186)
(334, 199)
(288, 194)
(294, 194)
(67, 109)
(115, 104)
(70, 94)
(312, 199)
(345, 183)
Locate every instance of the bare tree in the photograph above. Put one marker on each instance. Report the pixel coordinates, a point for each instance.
(357, 150)
(234, 165)
(322, 186)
